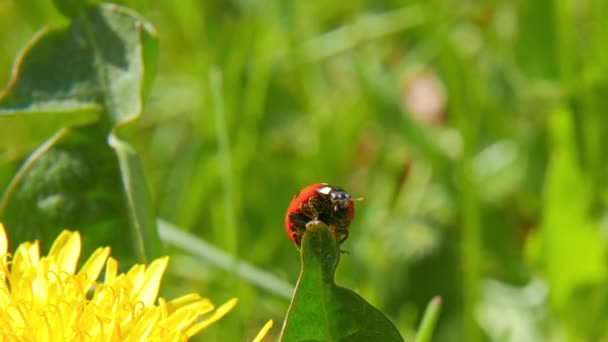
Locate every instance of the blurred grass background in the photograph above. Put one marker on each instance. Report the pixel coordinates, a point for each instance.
(473, 131)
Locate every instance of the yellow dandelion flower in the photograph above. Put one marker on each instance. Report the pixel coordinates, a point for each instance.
(46, 299)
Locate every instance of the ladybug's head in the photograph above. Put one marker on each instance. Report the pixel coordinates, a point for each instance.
(340, 199)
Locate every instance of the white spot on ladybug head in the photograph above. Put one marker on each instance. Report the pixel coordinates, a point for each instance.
(325, 190)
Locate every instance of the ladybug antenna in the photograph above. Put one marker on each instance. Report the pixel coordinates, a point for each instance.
(359, 199)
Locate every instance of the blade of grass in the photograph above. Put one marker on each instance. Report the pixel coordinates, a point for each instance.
(465, 104)
(212, 255)
(427, 325)
(363, 30)
(228, 231)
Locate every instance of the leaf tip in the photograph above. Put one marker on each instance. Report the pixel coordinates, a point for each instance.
(71, 8)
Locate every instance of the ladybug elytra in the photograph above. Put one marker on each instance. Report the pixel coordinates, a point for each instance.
(323, 202)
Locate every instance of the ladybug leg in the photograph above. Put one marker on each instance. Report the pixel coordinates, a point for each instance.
(297, 238)
(315, 207)
(309, 210)
(299, 220)
(343, 232)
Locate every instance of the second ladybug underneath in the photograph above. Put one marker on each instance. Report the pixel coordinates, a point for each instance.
(323, 202)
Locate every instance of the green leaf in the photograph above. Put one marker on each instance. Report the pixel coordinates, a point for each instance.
(126, 51)
(322, 311)
(104, 63)
(71, 8)
(53, 85)
(85, 82)
(142, 218)
(74, 181)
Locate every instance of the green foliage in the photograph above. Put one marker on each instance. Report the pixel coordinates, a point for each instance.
(71, 8)
(322, 311)
(88, 79)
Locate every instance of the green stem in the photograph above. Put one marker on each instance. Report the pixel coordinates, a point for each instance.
(427, 326)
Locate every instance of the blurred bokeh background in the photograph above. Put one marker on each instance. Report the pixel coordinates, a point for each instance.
(475, 131)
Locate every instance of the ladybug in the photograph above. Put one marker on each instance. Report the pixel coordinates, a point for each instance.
(323, 202)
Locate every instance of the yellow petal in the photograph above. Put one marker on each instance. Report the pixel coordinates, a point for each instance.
(136, 276)
(44, 285)
(173, 336)
(152, 278)
(5, 296)
(111, 270)
(199, 307)
(3, 259)
(89, 322)
(92, 268)
(164, 312)
(187, 300)
(264, 331)
(219, 313)
(185, 314)
(66, 250)
(144, 326)
(3, 242)
(179, 320)
(26, 257)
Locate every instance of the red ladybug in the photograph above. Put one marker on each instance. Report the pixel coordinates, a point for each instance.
(326, 203)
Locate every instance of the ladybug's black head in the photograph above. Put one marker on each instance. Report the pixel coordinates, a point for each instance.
(342, 209)
(340, 198)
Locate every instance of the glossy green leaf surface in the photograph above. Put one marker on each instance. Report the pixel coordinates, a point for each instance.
(323, 311)
(142, 219)
(84, 81)
(101, 64)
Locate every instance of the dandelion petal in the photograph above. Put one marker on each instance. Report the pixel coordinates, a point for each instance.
(219, 313)
(92, 268)
(260, 336)
(66, 251)
(152, 278)
(3, 242)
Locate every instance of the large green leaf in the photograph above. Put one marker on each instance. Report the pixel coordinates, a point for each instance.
(73, 182)
(95, 73)
(103, 63)
(323, 311)
(53, 85)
